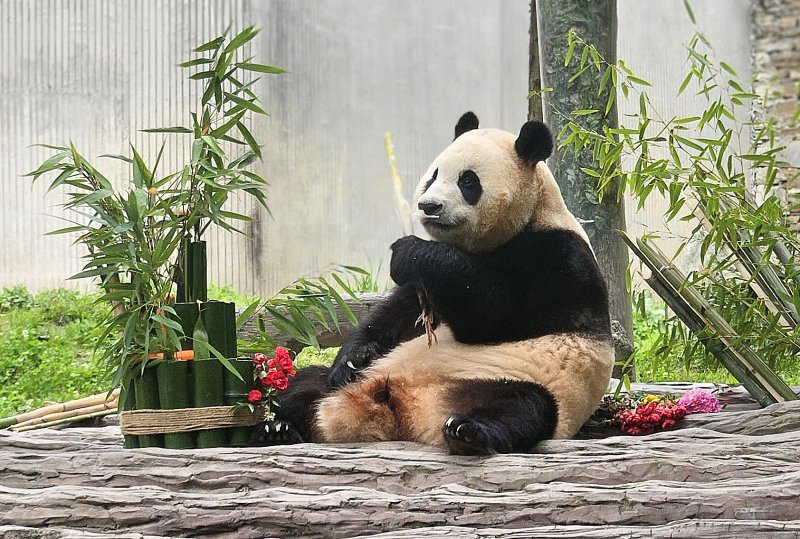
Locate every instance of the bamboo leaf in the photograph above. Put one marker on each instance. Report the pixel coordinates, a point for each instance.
(243, 37)
(176, 129)
(261, 68)
(249, 105)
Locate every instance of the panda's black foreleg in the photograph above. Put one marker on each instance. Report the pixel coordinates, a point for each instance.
(388, 324)
(294, 415)
(498, 416)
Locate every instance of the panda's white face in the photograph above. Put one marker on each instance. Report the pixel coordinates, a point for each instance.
(478, 193)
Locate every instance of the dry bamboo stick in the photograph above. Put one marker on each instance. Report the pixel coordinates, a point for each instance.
(64, 415)
(60, 407)
(68, 420)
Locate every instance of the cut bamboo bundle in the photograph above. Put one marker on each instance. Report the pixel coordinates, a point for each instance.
(764, 280)
(78, 412)
(66, 420)
(712, 330)
(60, 407)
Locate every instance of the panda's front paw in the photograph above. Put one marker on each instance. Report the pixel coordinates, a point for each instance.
(465, 436)
(401, 266)
(273, 432)
(353, 358)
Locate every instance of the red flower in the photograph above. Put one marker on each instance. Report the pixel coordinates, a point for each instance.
(282, 354)
(254, 396)
(259, 359)
(275, 379)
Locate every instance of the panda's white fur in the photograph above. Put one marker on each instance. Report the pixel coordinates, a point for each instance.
(533, 196)
(575, 369)
(515, 360)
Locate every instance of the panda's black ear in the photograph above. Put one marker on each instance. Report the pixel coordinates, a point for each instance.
(534, 143)
(467, 122)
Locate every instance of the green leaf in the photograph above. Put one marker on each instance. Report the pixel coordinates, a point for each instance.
(212, 45)
(196, 61)
(176, 129)
(197, 149)
(570, 52)
(637, 80)
(243, 37)
(261, 68)
(213, 146)
(729, 69)
(251, 141)
(118, 157)
(64, 176)
(247, 314)
(224, 128)
(689, 11)
(249, 105)
(168, 322)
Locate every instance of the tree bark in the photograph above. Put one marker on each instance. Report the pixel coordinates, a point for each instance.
(535, 112)
(595, 21)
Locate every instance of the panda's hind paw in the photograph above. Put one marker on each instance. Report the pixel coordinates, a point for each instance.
(465, 436)
(269, 433)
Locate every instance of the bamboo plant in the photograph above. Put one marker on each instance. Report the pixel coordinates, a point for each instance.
(137, 231)
(704, 167)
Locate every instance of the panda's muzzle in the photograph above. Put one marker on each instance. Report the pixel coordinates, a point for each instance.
(430, 209)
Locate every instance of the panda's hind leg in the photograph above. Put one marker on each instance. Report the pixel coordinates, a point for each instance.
(498, 416)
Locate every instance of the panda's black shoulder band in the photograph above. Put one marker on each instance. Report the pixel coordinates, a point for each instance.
(535, 142)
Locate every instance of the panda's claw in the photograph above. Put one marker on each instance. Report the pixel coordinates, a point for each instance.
(275, 433)
(350, 364)
(463, 436)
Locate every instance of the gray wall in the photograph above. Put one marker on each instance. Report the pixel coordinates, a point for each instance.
(96, 71)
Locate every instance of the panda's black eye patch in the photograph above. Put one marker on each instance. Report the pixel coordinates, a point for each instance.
(433, 179)
(470, 185)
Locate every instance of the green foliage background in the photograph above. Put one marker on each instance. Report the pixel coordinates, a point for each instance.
(47, 341)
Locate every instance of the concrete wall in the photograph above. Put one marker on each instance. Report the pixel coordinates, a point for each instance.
(96, 71)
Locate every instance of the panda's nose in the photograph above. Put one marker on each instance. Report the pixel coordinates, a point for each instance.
(430, 208)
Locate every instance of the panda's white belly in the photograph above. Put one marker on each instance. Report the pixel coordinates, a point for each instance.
(574, 368)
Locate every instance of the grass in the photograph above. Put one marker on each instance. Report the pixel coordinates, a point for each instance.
(46, 343)
(657, 362)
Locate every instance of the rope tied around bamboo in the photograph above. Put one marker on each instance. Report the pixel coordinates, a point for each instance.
(138, 422)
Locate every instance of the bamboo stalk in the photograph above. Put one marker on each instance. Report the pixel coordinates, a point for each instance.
(745, 364)
(68, 420)
(769, 285)
(64, 415)
(714, 346)
(60, 407)
(403, 207)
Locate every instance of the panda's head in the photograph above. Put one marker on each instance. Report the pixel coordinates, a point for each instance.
(488, 185)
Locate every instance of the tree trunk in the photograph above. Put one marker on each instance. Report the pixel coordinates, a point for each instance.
(595, 21)
(534, 71)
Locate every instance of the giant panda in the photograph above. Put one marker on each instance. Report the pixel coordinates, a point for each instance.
(522, 349)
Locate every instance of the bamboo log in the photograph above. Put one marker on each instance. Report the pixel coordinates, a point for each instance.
(64, 421)
(704, 320)
(65, 415)
(60, 407)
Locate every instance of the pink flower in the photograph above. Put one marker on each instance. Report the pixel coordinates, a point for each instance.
(259, 359)
(697, 401)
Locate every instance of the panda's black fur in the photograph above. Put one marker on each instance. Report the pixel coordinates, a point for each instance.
(536, 293)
